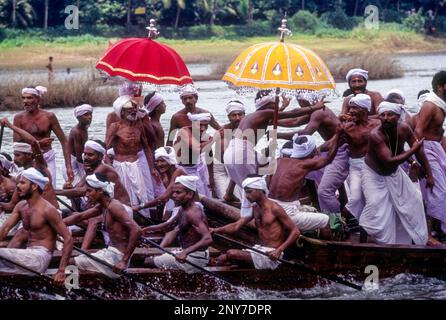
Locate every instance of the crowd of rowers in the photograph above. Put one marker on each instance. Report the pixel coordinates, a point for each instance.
(379, 166)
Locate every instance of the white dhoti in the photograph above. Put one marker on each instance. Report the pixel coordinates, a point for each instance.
(260, 261)
(394, 212)
(147, 174)
(78, 170)
(133, 181)
(110, 255)
(167, 261)
(200, 170)
(50, 158)
(240, 160)
(356, 200)
(222, 179)
(304, 220)
(36, 258)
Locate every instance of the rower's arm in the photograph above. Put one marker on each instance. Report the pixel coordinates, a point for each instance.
(214, 124)
(77, 217)
(320, 162)
(13, 219)
(233, 227)
(162, 227)
(420, 155)
(9, 206)
(197, 222)
(424, 119)
(293, 231)
(171, 134)
(55, 126)
(76, 192)
(291, 123)
(170, 237)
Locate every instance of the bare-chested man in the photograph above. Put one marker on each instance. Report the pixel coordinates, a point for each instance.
(189, 98)
(40, 123)
(430, 127)
(127, 138)
(276, 230)
(123, 232)
(77, 138)
(240, 157)
(7, 183)
(127, 88)
(222, 182)
(155, 106)
(191, 230)
(357, 81)
(42, 222)
(289, 178)
(191, 145)
(394, 212)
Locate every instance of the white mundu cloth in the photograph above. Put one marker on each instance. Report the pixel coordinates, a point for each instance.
(167, 261)
(111, 255)
(304, 220)
(36, 258)
(260, 261)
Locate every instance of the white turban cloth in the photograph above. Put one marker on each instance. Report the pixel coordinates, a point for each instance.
(37, 91)
(106, 186)
(167, 153)
(189, 182)
(121, 103)
(397, 92)
(36, 177)
(79, 111)
(392, 107)
(199, 116)
(95, 146)
(154, 102)
(362, 101)
(258, 183)
(188, 90)
(22, 147)
(422, 98)
(302, 150)
(357, 72)
(263, 101)
(6, 163)
(234, 106)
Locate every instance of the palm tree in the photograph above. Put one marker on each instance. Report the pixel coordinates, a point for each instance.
(129, 9)
(18, 13)
(45, 20)
(181, 5)
(14, 15)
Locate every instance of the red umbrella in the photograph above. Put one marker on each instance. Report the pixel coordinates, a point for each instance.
(145, 60)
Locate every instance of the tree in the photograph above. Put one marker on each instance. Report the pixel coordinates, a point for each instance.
(17, 13)
(45, 20)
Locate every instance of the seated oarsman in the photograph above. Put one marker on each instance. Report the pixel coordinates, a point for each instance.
(191, 230)
(235, 111)
(287, 181)
(43, 223)
(192, 141)
(356, 132)
(357, 82)
(276, 230)
(127, 138)
(394, 212)
(7, 183)
(166, 164)
(122, 230)
(77, 138)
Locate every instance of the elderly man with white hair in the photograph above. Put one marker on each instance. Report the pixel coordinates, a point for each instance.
(127, 138)
(191, 230)
(357, 81)
(356, 133)
(276, 230)
(189, 98)
(394, 212)
(40, 123)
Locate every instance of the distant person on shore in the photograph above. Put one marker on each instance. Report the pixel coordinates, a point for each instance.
(357, 82)
(189, 98)
(40, 124)
(69, 76)
(49, 66)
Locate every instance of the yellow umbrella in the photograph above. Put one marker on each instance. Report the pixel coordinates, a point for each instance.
(287, 66)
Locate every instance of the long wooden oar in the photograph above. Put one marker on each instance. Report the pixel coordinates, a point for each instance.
(153, 243)
(299, 265)
(1, 135)
(65, 204)
(124, 273)
(50, 280)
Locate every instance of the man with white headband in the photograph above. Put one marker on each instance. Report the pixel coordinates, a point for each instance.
(77, 138)
(356, 132)
(276, 231)
(189, 98)
(127, 89)
(430, 127)
(287, 182)
(166, 164)
(398, 97)
(394, 212)
(156, 107)
(133, 158)
(123, 232)
(357, 82)
(240, 157)
(42, 224)
(224, 186)
(191, 231)
(193, 145)
(40, 124)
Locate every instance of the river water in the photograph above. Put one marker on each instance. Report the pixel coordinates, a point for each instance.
(213, 95)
